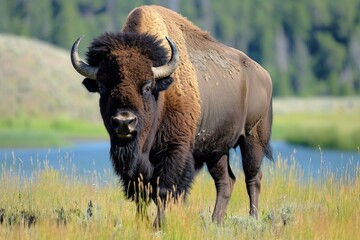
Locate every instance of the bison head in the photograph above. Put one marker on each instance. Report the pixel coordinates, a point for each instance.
(129, 71)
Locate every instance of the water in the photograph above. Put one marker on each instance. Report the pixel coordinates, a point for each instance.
(92, 158)
(317, 162)
(86, 159)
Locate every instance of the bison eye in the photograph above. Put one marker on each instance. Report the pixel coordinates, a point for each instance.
(102, 88)
(146, 88)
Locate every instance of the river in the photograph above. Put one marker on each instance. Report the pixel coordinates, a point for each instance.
(89, 158)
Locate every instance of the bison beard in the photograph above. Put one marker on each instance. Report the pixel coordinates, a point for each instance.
(136, 166)
(130, 164)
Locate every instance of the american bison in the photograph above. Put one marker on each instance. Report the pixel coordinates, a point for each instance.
(173, 98)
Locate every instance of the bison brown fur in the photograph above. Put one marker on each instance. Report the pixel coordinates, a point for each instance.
(164, 127)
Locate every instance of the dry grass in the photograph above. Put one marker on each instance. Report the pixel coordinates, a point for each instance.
(56, 206)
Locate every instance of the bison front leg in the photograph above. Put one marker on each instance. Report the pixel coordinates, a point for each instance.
(252, 153)
(224, 181)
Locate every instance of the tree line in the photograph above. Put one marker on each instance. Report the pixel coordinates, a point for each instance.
(309, 47)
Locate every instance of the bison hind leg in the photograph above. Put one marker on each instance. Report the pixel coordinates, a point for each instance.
(254, 145)
(252, 154)
(224, 182)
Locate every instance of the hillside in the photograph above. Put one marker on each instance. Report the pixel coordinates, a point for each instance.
(38, 81)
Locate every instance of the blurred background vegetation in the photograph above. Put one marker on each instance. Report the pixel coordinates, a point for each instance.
(309, 47)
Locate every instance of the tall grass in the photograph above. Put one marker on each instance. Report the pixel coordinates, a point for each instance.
(53, 205)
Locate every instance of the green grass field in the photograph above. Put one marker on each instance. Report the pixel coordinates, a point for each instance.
(52, 205)
(38, 132)
(335, 130)
(326, 122)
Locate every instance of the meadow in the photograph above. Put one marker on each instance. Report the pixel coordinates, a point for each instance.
(328, 122)
(328, 130)
(44, 132)
(54, 205)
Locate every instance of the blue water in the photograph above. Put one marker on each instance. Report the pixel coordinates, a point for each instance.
(317, 162)
(87, 159)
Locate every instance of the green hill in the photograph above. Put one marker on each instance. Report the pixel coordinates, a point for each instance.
(37, 80)
(41, 95)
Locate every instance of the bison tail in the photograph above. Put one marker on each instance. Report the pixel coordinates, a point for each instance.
(267, 132)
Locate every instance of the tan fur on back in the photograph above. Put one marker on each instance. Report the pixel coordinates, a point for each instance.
(184, 93)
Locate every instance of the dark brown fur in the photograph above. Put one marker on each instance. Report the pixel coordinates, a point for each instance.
(219, 99)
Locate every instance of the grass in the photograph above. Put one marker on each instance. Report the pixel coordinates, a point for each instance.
(328, 122)
(39, 132)
(336, 130)
(53, 205)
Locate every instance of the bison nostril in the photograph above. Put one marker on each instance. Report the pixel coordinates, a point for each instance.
(114, 122)
(124, 122)
(133, 121)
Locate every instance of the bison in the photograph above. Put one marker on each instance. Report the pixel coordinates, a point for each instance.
(172, 99)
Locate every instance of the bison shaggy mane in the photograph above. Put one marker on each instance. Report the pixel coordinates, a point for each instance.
(146, 44)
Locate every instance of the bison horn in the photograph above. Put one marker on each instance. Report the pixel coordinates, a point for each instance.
(167, 69)
(80, 66)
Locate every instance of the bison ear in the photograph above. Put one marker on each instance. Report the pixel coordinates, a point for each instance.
(90, 85)
(163, 83)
